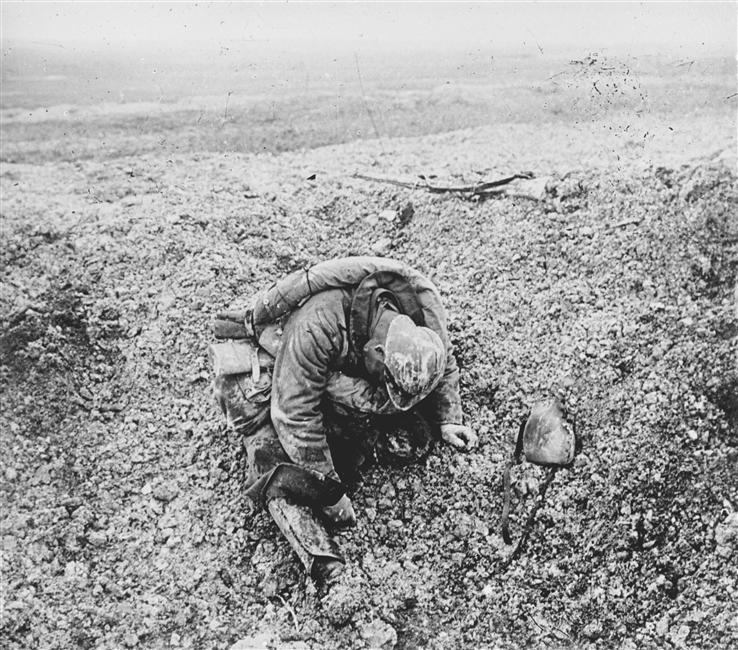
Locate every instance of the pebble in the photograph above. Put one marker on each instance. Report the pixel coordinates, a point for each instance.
(258, 641)
(97, 538)
(464, 527)
(165, 491)
(662, 626)
(381, 247)
(679, 636)
(726, 535)
(378, 635)
(85, 393)
(42, 476)
(592, 630)
(388, 490)
(76, 572)
(10, 474)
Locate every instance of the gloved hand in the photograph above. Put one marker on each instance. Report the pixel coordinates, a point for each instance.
(233, 324)
(459, 435)
(341, 512)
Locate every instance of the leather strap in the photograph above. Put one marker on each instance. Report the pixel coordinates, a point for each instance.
(506, 486)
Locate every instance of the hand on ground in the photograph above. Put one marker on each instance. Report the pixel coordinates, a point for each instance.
(459, 435)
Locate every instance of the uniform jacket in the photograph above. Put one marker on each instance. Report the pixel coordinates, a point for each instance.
(319, 360)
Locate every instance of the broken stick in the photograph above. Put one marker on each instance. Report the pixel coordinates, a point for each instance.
(478, 189)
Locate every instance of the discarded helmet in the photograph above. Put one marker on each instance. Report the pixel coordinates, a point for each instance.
(548, 439)
(545, 438)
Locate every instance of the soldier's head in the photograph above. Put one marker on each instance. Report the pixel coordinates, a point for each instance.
(409, 358)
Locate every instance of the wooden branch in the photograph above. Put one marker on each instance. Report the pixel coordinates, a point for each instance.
(626, 222)
(479, 189)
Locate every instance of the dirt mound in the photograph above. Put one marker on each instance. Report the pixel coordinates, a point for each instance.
(124, 521)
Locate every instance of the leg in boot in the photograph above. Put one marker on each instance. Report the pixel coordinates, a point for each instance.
(317, 551)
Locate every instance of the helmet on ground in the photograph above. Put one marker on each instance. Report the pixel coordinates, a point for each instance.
(415, 359)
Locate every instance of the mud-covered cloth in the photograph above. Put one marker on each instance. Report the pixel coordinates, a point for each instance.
(353, 423)
(316, 323)
(246, 405)
(359, 278)
(316, 344)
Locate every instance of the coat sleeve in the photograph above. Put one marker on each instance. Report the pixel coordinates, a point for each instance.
(312, 344)
(445, 400)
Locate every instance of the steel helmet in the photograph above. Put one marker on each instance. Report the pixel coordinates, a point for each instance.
(415, 359)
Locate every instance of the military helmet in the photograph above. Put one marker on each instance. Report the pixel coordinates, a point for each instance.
(415, 359)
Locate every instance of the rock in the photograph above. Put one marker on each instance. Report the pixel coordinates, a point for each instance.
(42, 476)
(167, 300)
(388, 490)
(76, 572)
(407, 213)
(270, 586)
(679, 636)
(388, 215)
(344, 599)
(165, 491)
(378, 634)
(84, 393)
(381, 247)
(10, 474)
(592, 630)
(662, 626)
(464, 527)
(257, 641)
(97, 538)
(586, 231)
(726, 535)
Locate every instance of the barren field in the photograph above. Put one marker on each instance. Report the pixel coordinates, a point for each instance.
(126, 226)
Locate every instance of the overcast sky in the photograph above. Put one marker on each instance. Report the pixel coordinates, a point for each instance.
(635, 28)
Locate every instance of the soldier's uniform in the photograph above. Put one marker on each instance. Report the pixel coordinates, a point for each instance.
(307, 381)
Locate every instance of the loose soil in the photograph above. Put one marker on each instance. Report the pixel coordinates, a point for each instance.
(124, 521)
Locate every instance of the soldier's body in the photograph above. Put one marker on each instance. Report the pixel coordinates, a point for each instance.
(346, 348)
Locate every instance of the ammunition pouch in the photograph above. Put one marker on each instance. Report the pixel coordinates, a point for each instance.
(243, 384)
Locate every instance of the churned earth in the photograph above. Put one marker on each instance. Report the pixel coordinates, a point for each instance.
(124, 522)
